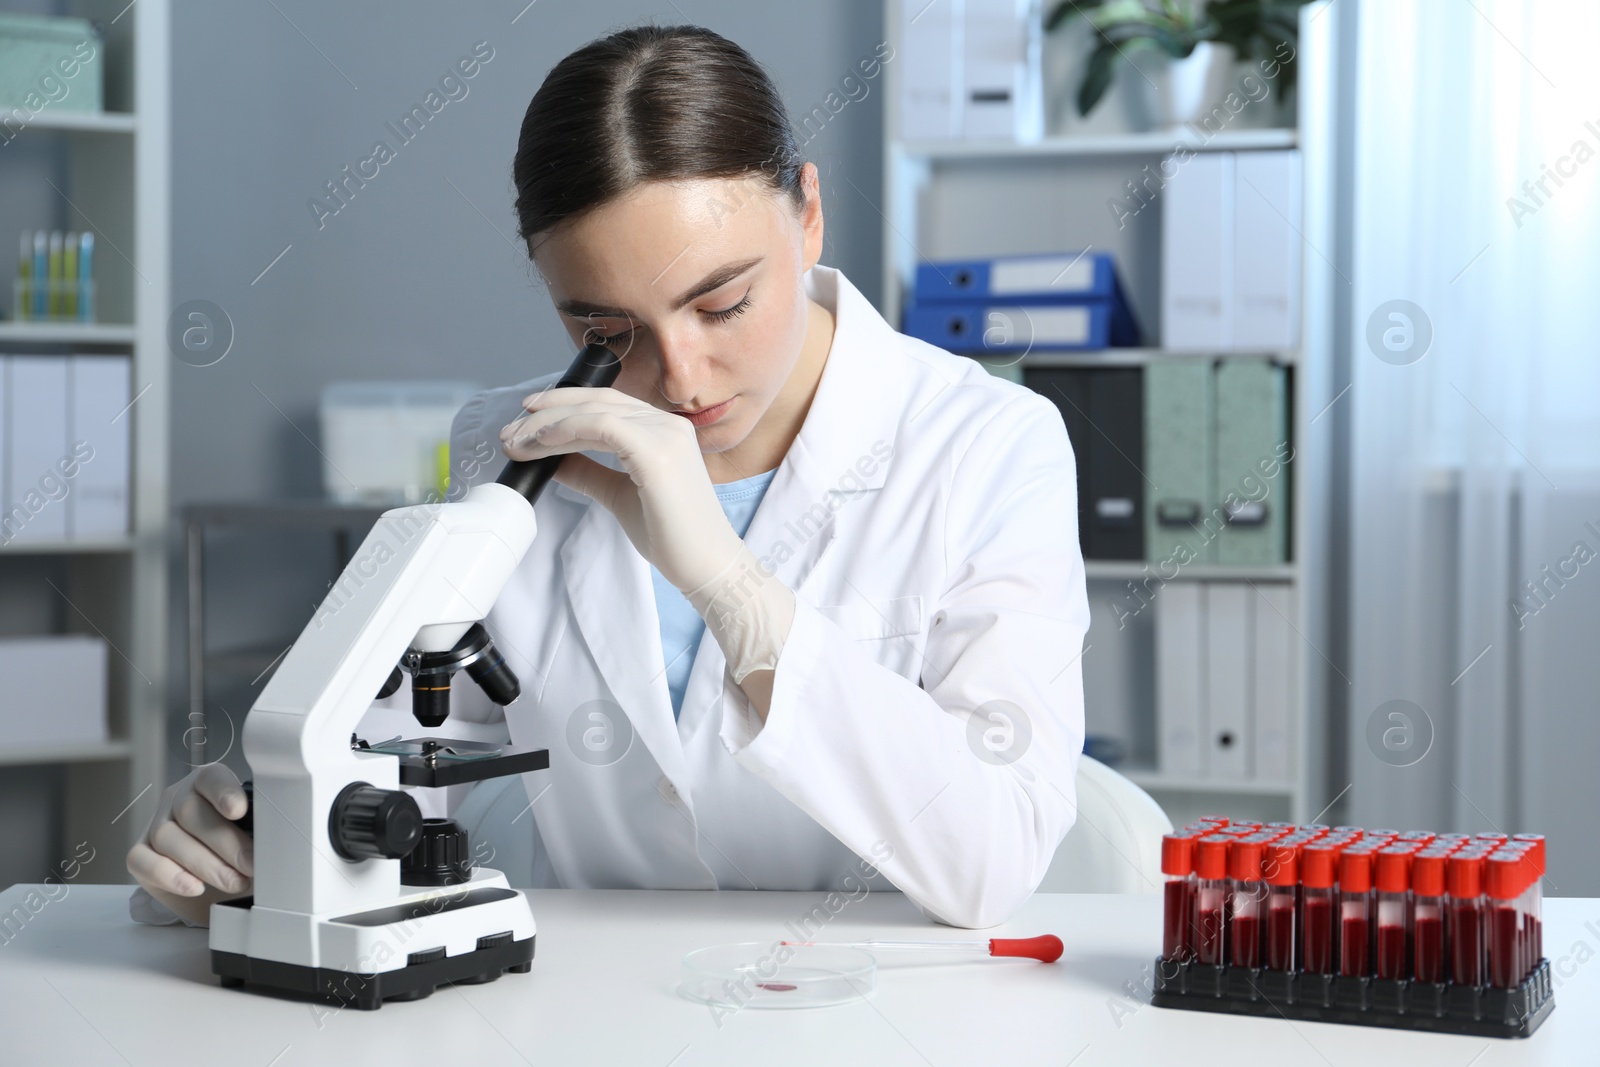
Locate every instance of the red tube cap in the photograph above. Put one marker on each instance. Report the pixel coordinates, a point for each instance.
(1319, 866)
(1281, 864)
(1427, 874)
(1211, 856)
(1177, 855)
(1464, 876)
(1244, 859)
(1392, 872)
(1355, 870)
(1537, 841)
(1504, 875)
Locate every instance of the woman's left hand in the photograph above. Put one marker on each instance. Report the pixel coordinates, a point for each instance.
(663, 497)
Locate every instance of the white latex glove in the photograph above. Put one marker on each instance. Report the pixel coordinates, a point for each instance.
(192, 854)
(664, 501)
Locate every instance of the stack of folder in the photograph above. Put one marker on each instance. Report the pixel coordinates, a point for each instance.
(1182, 461)
(64, 435)
(1019, 304)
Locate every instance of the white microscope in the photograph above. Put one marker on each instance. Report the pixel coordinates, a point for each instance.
(358, 899)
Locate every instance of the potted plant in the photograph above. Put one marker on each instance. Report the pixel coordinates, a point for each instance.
(1178, 46)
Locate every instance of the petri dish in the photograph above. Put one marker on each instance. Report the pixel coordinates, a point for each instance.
(766, 974)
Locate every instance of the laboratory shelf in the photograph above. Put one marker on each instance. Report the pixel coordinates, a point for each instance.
(1152, 780)
(66, 548)
(100, 333)
(1135, 569)
(14, 121)
(1153, 143)
(1121, 357)
(80, 753)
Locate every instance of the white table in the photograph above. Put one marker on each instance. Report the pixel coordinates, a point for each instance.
(81, 984)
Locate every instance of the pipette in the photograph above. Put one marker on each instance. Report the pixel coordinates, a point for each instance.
(1046, 948)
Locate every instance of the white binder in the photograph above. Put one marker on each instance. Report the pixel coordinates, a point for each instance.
(1274, 679)
(1001, 70)
(1197, 259)
(930, 56)
(1229, 680)
(1266, 250)
(99, 419)
(36, 431)
(1181, 733)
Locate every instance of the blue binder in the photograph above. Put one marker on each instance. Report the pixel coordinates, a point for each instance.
(985, 329)
(1064, 277)
(950, 298)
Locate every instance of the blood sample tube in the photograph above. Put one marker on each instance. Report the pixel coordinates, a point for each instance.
(1249, 897)
(1177, 863)
(1211, 899)
(1464, 884)
(1428, 912)
(1355, 911)
(1536, 903)
(1392, 875)
(1319, 866)
(1281, 868)
(1502, 882)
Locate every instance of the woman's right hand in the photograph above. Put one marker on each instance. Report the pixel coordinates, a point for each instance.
(192, 854)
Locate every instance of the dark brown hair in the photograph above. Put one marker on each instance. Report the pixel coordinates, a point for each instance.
(652, 103)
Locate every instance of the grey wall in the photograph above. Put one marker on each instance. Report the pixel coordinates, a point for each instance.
(416, 276)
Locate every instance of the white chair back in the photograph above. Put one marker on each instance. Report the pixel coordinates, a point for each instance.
(1115, 844)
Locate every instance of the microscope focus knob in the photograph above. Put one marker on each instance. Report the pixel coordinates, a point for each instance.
(368, 823)
(440, 858)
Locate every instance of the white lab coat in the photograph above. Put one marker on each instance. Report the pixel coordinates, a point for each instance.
(926, 519)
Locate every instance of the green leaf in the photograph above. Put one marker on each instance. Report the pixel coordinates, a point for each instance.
(1096, 78)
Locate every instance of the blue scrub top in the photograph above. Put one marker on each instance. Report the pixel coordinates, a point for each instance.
(681, 625)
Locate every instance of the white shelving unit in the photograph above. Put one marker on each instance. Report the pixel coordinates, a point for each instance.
(964, 199)
(117, 167)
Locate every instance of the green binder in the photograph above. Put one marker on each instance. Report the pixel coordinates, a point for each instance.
(1178, 460)
(1250, 479)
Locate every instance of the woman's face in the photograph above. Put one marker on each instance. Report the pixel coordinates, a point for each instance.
(697, 287)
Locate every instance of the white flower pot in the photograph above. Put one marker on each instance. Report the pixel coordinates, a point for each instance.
(1174, 92)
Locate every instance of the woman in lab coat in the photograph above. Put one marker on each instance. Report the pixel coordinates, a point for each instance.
(886, 690)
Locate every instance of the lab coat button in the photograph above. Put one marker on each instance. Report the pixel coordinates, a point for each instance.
(667, 789)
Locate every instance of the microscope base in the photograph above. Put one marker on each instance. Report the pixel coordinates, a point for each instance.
(367, 992)
(464, 935)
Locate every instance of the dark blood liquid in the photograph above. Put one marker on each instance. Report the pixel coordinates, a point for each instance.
(1504, 957)
(1428, 936)
(1280, 938)
(1391, 951)
(1466, 945)
(1353, 947)
(1209, 945)
(1246, 941)
(1175, 931)
(1538, 941)
(1317, 918)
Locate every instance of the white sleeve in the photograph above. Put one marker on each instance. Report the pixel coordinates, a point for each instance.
(960, 787)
